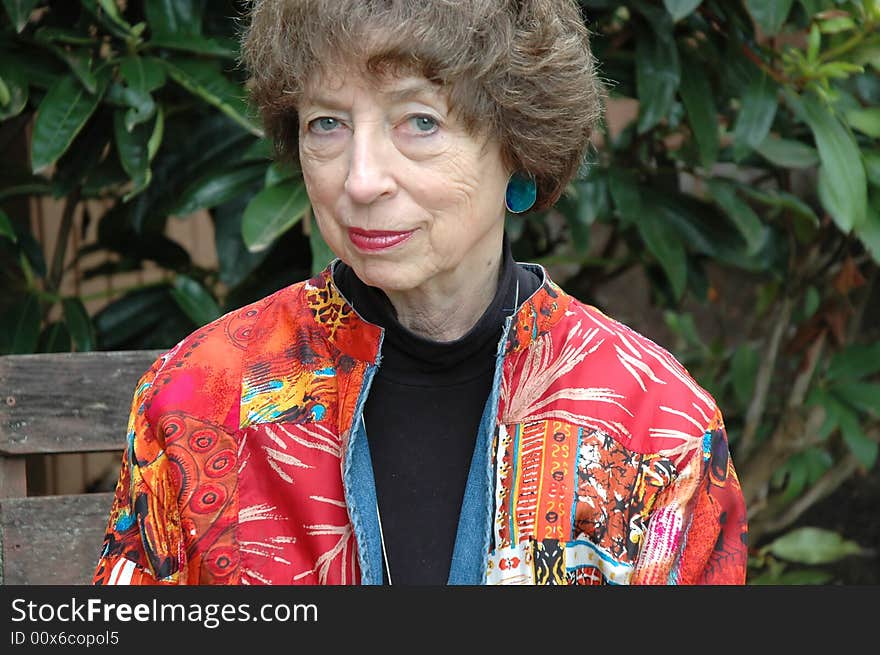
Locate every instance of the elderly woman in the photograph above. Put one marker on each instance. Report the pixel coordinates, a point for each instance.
(426, 410)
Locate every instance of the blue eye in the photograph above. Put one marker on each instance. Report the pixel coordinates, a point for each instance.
(423, 124)
(323, 124)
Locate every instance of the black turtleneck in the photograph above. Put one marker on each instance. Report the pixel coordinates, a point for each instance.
(422, 417)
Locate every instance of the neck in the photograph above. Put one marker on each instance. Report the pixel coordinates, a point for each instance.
(446, 310)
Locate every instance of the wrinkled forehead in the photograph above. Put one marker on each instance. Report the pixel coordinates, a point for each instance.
(395, 84)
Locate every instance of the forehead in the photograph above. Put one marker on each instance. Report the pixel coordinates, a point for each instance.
(393, 85)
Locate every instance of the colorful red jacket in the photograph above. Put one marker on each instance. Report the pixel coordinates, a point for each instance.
(599, 459)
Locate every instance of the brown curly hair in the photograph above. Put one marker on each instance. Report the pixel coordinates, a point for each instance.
(518, 71)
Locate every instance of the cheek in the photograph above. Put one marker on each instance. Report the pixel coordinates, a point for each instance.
(321, 184)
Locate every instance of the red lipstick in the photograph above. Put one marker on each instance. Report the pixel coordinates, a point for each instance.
(376, 240)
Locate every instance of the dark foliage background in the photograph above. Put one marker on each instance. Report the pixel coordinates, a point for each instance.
(735, 217)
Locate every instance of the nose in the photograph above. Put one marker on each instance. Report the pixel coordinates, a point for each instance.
(370, 174)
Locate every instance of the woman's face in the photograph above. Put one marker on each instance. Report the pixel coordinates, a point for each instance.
(401, 192)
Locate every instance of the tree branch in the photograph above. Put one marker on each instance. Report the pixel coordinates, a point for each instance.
(762, 384)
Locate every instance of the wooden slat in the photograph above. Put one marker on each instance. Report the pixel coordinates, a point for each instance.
(52, 539)
(13, 477)
(67, 402)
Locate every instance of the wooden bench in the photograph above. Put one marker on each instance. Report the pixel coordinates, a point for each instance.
(53, 404)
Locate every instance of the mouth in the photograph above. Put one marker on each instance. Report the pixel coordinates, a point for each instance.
(377, 240)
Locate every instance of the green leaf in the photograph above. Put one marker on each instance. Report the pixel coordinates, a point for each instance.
(202, 45)
(259, 150)
(811, 301)
(863, 448)
(236, 261)
(33, 252)
(769, 14)
(814, 43)
(181, 17)
(871, 159)
(743, 217)
(579, 234)
(842, 182)
(744, 370)
(112, 10)
(20, 327)
(860, 445)
(17, 89)
(869, 232)
(5, 96)
(278, 172)
(19, 12)
(838, 70)
(272, 212)
(217, 188)
(679, 9)
(321, 253)
(204, 79)
(818, 461)
(133, 314)
(666, 247)
(108, 14)
(856, 362)
(683, 325)
(799, 577)
(6, 229)
(782, 200)
(626, 194)
(63, 112)
(142, 106)
(142, 73)
(699, 102)
(794, 472)
(133, 150)
(80, 62)
(63, 35)
(79, 324)
(837, 24)
(155, 139)
(39, 68)
(839, 414)
(657, 73)
(177, 25)
(863, 396)
(813, 7)
(810, 545)
(786, 153)
(867, 55)
(195, 300)
(756, 115)
(801, 469)
(866, 121)
(54, 339)
(593, 200)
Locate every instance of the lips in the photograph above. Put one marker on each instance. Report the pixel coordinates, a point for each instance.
(377, 240)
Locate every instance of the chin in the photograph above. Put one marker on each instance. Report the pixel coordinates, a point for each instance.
(387, 276)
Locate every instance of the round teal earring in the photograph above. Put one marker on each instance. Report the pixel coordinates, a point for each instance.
(522, 192)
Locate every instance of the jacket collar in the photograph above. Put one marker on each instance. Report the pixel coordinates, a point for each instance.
(354, 336)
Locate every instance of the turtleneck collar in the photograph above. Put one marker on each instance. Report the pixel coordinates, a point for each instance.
(409, 357)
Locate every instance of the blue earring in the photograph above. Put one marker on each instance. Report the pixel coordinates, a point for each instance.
(522, 191)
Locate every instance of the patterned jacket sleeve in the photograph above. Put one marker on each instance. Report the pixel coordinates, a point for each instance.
(143, 534)
(697, 533)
